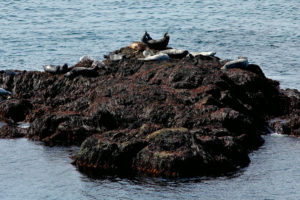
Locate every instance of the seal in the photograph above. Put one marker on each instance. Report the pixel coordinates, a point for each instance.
(157, 57)
(203, 53)
(147, 53)
(84, 71)
(160, 44)
(138, 46)
(175, 53)
(224, 61)
(116, 57)
(98, 65)
(8, 72)
(241, 62)
(56, 69)
(4, 92)
(86, 58)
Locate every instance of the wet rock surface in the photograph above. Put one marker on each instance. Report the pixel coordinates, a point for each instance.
(181, 117)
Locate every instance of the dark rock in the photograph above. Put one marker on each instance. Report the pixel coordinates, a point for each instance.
(12, 131)
(173, 118)
(14, 110)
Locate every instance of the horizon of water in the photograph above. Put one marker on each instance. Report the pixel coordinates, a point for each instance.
(34, 33)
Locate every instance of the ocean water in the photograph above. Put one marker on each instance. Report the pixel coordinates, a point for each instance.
(35, 33)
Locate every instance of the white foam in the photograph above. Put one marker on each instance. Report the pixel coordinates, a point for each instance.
(274, 134)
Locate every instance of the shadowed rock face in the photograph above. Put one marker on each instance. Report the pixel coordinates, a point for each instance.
(181, 117)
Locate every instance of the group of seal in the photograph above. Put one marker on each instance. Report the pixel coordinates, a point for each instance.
(163, 53)
(160, 44)
(76, 71)
(91, 71)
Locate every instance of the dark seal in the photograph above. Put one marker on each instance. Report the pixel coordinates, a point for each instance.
(160, 44)
(84, 71)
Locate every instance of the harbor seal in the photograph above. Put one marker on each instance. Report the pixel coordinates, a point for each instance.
(138, 46)
(84, 71)
(95, 63)
(56, 69)
(147, 53)
(160, 44)
(8, 72)
(86, 58)
(175, 53)
(114, 56)
(98, 65)
(157, 57)
(203, 53)
(4, 92)
(241, 62)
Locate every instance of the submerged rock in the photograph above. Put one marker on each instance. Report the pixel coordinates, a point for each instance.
(181, 117)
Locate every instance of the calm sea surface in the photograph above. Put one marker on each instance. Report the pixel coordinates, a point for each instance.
(34, 33)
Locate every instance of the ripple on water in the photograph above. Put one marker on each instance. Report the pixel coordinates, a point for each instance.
(34, 171)
(56, 32)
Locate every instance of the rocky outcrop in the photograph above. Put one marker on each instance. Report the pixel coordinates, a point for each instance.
(288, 122)
(180, 117)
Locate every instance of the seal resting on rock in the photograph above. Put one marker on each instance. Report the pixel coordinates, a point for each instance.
(56, 69)
(157, 57)
(160, 44)
(241, 62)
(147, 53)
(8, 72)
(203, 53)
(175, 53)
(138, 46)
(84, 71)
(4, 92)
(114, 56)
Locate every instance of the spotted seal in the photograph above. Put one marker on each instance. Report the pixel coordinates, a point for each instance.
(4, 92)
(175, 53)
(203, 53)
(84, 71)
(157, 57)
(241, 62)
(147, 53)
(8, 72)
(56, 69)
(160, 44)
(138, 46)
(114, 56)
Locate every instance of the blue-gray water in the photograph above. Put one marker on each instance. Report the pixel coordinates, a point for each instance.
(34, 33)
